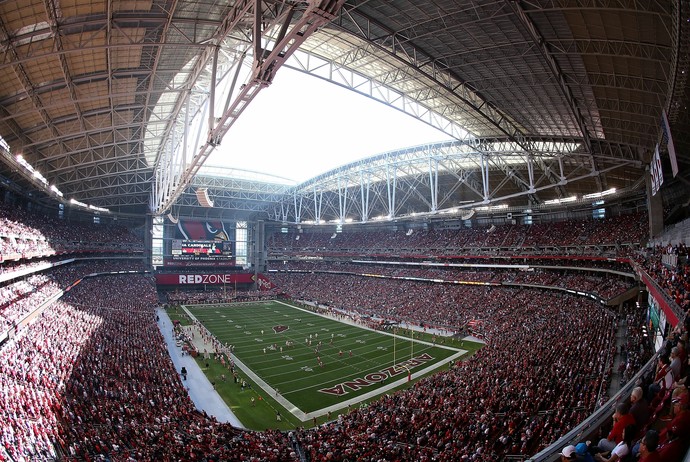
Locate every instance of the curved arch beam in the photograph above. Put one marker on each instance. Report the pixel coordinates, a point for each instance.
(551, 164)
(266, 62)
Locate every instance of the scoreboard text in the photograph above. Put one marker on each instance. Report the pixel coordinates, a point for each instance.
(190, 250)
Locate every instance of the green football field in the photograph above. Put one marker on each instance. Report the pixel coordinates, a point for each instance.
(325, 364)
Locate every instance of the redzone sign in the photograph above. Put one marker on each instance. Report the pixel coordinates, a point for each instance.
(376, 377)
(205, 279)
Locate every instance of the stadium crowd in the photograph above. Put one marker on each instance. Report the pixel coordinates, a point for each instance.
(615, 231)
(27, 235)
(18, 299)
(652, 423)
(112, 389)
(494, 403)
(21, 296)
(179, 297)
(91, 377)
(605, 285)
(674, 281)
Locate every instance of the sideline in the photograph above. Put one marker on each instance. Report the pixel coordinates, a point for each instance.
(403, 324)
(198, 386)
(303, 416)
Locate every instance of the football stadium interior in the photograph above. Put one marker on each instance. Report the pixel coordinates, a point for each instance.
(519, 291)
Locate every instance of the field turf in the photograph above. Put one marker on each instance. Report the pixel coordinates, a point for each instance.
(351, 363)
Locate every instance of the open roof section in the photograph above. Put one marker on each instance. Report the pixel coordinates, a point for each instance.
(89, 93)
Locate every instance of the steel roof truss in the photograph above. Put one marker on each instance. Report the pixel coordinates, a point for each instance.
(364, 188)
(96, 157)
(237, 185)
(434, 70)
(463, 178)
(121, 167)
(426, 103)
(266, 63)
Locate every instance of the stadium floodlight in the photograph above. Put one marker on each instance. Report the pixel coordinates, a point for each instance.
(600, 194)
(468, 215)
(98, 209)
(561, 201)
(486, 208)
(56, 190)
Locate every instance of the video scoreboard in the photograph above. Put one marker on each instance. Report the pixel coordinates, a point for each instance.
(195, 250)
(199, 243)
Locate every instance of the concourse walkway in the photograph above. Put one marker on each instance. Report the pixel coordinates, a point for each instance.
(198, 386)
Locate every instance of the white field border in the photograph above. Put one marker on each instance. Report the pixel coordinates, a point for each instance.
(304, 416)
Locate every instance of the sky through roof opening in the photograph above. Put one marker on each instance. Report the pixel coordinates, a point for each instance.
(302, 126)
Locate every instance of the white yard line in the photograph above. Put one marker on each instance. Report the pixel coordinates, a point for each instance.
(304, 416)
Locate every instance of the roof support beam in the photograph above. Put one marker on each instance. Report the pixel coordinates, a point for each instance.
(342, 200)
(23, 77)
(391, 185)
(560, 78)
(318, 13)
(53, 13)
(318, 203)
(452, 88)
(391, 180)
(433, 183)
(364, 183)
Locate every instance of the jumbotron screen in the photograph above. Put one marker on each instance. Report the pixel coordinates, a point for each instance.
(192, 250)
(199, 243)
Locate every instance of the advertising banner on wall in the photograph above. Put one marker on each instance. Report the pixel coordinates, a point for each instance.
(214, 279)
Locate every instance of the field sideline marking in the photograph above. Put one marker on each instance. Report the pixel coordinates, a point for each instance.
(333, 356)
(304, 416)
(402, 337)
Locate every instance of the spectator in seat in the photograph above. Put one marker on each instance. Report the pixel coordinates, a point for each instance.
(621, 419)
(682, 353)
(568, 453)
(673, 450)
(675, 364)
(664, 372)
(639, 407)
(648, 447)
(583, 454)
(680, 425)
(622, 449)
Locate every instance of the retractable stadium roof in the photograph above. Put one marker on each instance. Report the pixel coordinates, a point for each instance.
(542, 99)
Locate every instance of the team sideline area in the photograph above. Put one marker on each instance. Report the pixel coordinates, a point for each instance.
(313, 364)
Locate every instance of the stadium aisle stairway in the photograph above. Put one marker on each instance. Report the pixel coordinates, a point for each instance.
(198, 386)
(621, 334)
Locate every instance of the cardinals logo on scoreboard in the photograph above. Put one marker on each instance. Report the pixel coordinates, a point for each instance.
(213, 230)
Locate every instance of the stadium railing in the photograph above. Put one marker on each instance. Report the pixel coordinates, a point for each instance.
(589, 428)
